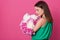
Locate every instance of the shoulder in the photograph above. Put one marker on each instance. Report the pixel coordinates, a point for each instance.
(42, 21)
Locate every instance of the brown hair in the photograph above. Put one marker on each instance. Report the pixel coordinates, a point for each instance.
(44, 6)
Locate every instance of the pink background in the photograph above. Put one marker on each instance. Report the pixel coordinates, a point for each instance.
(11, 12)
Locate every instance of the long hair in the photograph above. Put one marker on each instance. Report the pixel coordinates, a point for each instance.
(44, 6)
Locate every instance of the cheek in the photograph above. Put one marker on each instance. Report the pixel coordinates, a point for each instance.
(40, 12)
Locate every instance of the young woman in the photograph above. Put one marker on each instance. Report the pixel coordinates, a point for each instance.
(43, 28)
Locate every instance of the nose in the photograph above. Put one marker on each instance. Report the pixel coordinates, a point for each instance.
(36, 12)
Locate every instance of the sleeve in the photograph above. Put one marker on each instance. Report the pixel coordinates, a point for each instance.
(47, 33)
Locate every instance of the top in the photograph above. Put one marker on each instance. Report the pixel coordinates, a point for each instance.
(44, 32)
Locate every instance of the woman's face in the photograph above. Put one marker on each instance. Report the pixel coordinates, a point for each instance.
(39, 11)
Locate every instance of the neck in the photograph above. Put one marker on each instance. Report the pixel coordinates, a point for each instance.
(43, 16)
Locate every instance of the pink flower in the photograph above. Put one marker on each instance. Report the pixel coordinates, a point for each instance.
(27, 24)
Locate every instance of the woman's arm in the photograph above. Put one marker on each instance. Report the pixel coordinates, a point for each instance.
(40, 22)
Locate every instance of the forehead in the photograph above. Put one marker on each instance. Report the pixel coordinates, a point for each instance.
(37, 8)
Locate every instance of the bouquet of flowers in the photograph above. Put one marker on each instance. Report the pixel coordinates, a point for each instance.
(28, 23)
